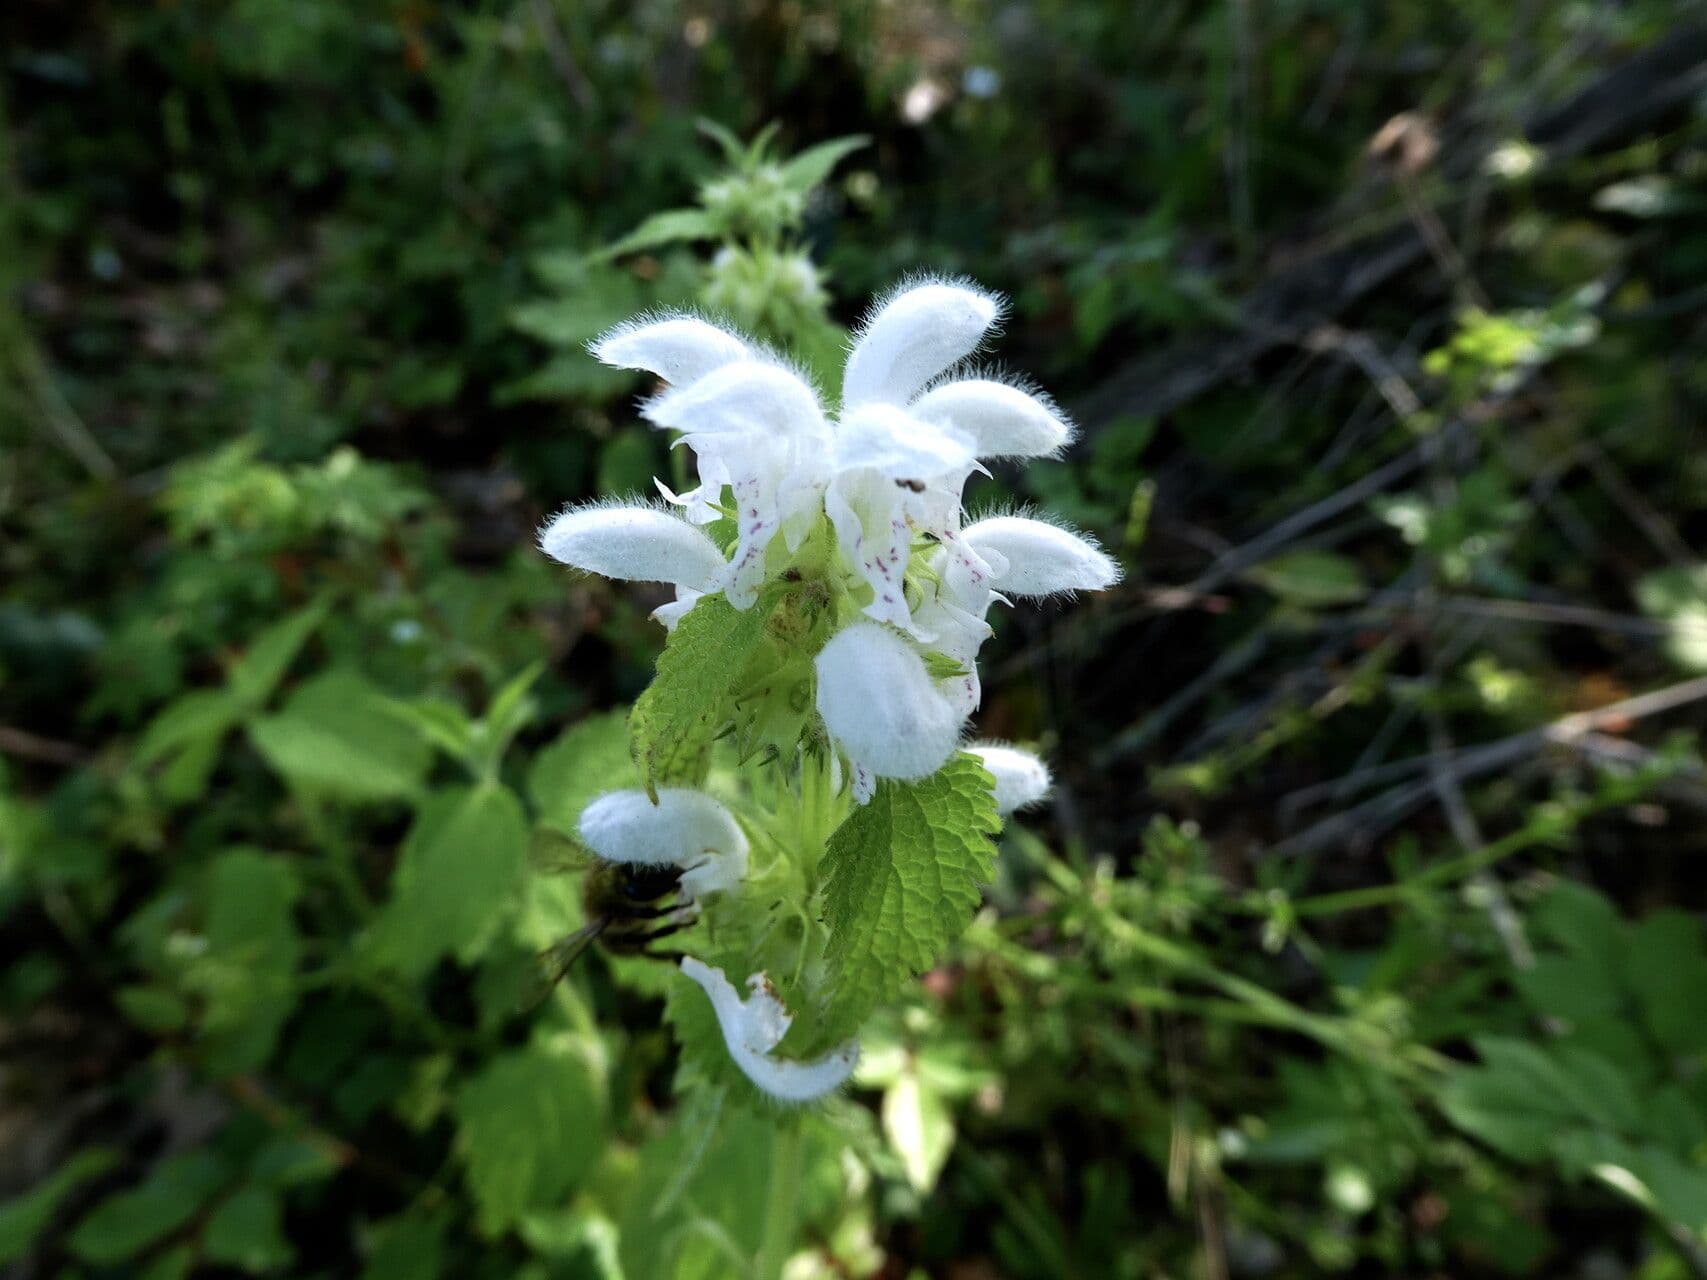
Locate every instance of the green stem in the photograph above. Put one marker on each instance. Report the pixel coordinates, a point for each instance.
(781, 1200)
(1444, 873)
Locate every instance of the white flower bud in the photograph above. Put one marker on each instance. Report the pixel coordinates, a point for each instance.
(881, 706)
(754, 1026)
(678, 348)
(1042, 559)
(998, 420)
(639, 544)
(1022, 779)
(686, 829)
(912, 338)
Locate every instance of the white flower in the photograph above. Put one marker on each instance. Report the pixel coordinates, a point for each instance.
(757, 428)
(1022, 779)
(755, 1026)
(686, 829)
(913, 427)
(1035, 558)
(996, 556)
(881, 706)
(638, 544)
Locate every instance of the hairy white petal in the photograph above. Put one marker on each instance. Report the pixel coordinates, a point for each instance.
(999, 421)
(755, 1026)
(913, 338)
(1042, 558)
(873, 535)
(1022, 779)
(640, 544)
(880, 704)
(748, 397)
(679, 349)
(686, 829)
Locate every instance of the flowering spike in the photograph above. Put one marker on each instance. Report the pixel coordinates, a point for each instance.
(755, 1026)
(881, 706)
(912, 338)
(686, 828)
(678, 348)
(997, 420)
(1022, 779)
(1042, 559)
(639, 544)
(869, 511)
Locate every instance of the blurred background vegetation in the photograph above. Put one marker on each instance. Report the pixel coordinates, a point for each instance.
(1364, 935)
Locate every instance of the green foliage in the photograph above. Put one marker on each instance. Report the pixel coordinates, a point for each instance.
(246, 1232)
(589, 758)
(459, 870)
(295, 724)
(127, 1222)
(704, 663)
(1313, 579)
(336, 736)
(23, 1217)
(1616, 1095)
(243, 969)
(528, 1129)
(1677, 596)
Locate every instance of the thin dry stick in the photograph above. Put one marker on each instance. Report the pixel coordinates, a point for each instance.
(28, 746)
(1636, 507)
(1379, 813)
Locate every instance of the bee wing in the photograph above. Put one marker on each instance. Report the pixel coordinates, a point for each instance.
(555, 962)
(554, 853)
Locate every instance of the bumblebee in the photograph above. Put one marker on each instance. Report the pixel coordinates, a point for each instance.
(628, 908)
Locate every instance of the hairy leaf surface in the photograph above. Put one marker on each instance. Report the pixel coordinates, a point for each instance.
(675, 720)
(901, 883)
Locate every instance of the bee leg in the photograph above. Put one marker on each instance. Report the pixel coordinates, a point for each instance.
(649, 913)
(662, 931)
(668, 953)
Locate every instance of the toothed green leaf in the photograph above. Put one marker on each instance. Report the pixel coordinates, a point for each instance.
(675, 720)
(901, 879)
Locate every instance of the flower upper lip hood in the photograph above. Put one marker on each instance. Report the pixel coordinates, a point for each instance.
(679, 348)
(914, 334)
(638, 544)
(685, 828)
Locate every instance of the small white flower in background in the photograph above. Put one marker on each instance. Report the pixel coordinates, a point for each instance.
(686, 828)
(1022, 779)
(755, 1026)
